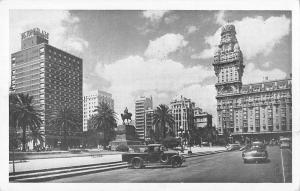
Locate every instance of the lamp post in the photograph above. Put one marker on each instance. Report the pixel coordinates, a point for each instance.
(181, 136)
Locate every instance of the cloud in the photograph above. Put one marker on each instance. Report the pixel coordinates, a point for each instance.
(56, 22)
(266, 64)
(191, 29)
(220, 17)
(135, 75)
(203, 96)
(154, 15)
(171, 19)
(255, 35)
(254, 75)
(164, 45)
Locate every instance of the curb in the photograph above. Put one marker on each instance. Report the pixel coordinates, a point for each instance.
(199, 154)
(62, 172)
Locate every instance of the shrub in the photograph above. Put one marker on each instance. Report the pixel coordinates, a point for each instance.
(122, 148)
(171, 142)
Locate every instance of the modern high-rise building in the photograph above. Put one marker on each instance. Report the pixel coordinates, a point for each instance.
(260, 110)
(141, 105)
(180, 107)
(91, 100)
(53, 77)
(202, 119)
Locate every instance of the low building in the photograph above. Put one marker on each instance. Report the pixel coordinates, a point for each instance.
(202, 119)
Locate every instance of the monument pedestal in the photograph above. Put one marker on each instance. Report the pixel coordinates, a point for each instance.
(125, 135)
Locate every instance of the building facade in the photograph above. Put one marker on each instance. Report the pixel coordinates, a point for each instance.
(52, 76)
(180, 107)
(202, 119)
(91, 100)
(149, 119)
(260, 110)
(142, 104)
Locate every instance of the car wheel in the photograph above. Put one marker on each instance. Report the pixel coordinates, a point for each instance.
(245, 161)
(164, 158)
(176, 163)
(137, 163)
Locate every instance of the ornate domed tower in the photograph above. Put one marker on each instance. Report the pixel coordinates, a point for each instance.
(229, 68)
(228, 63)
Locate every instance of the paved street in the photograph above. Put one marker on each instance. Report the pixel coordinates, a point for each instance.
(222, 167)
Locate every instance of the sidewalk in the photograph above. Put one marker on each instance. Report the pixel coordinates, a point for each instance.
(37, 164)
(104, 157)
(204, 149)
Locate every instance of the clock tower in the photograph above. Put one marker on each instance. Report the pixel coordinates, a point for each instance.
(228, 63)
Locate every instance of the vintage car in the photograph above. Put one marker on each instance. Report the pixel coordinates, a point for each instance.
(232, 147)
(154, 153)
(245, 147)
(258, 144)
(256, 152)
(285, 143)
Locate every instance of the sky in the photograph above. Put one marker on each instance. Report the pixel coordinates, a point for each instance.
(163, 54)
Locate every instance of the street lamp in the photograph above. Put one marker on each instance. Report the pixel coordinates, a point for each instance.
(181, 136)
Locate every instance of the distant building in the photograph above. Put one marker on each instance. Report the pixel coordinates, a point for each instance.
(149, 122)
(202, 119)
(91, 100)
(180, 106)
(52, 76)
(260, 110)
(141, 105)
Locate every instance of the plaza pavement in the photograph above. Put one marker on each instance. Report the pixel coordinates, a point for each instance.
(37, 164)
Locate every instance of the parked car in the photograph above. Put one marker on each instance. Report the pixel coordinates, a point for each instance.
(258, 144)
(285, 143)
(245, 147)
(154, 153)
(232, 147)
(255, 153)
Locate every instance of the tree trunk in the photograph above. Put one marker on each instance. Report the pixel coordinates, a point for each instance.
(65, 144)
(24, 139)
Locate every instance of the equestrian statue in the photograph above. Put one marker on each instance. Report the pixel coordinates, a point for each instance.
(126, 116)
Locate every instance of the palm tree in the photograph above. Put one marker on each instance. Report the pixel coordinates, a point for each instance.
(105, 120)
(36, 135)
(63, 120)
(23, 114)
(162, 117)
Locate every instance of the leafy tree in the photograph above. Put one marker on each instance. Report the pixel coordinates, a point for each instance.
(105, 121)
(64, 120)
(22, 115)
(36, 135)
(162, 117)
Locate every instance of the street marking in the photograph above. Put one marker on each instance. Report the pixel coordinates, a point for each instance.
(282, 166)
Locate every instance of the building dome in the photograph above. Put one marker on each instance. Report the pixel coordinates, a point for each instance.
(228, 28)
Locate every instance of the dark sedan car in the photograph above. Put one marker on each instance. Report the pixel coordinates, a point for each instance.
(255, 153)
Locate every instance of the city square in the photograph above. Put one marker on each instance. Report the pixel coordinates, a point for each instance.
(154, 96)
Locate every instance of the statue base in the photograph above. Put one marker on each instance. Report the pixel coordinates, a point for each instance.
(125, 136)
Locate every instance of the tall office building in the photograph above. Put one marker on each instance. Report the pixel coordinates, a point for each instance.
(261, 110)
(141, 105)
(180, 107)
(52, 76)
(93, 99)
